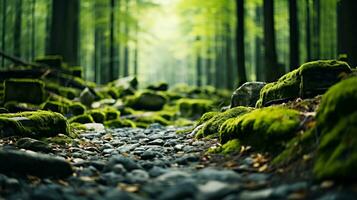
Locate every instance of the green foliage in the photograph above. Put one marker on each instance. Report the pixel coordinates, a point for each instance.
(83, 119)
(263, 129)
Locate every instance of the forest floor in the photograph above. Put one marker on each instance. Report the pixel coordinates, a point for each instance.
(62, 137)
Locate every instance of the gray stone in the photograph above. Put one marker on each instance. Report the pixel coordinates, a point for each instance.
(33, 145)
(32, 163)
(247, 94)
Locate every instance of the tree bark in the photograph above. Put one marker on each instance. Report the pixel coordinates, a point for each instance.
(126, 48)
(294, 35)
(272, 71)
(242, 77)
(308, 31)
(3, 35)
(33, 30)
(112, 72)
(17, 28)
(64, 30)
(198, 65)
(347, 30)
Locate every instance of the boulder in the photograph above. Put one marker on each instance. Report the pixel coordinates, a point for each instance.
(247, 94)
(159, 87)
(24, 90)
(146, 101)
(194, 108)
(309, 80)
(31, 163)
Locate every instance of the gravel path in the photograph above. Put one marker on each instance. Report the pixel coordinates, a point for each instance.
(156, 163)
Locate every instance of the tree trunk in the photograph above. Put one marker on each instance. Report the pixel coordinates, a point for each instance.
(308, 31)
(316, 30)
(272, 71)
(111, 42)
(229, 59)
(126, 32)
(198, 65)
(208, 64)
(17, 28)
(294, 35)
(347, 30)
(242, 77)
(33, 30)
(3, 46)
(64, 30)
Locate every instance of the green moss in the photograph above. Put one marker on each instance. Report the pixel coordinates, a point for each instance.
(337, 152)
(120, 123)
(212, 126)
(205, 117)
(67, 92)
(77, 108)
(337, 123)
(231, 147)
(146, 101)
(55, 106)
(339, 101)
(14, 106)
(33, 124)
(24, 90)
(308, 80)
(111, 113)
(83, 119)
(97, 115)
(76, 71)
(263, 129)
(287, 87)
(194, 107)
(145, 121)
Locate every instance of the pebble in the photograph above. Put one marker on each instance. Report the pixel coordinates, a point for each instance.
(147, 164)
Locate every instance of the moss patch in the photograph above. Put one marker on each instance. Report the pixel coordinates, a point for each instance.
(97, 115)
(212, 126)
(231, 147)
(337, 123)
(194, 107)
(33, 124)
(120, 123)
(263, 129)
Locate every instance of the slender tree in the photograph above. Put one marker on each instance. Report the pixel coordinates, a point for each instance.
(17, 28)
(126, 32)
(3, 35)
(64, 30)
(308, 31)
(294, 35)
(33, 29)
(272, 71)
(112, 72)
(316, 29)
(198, 64)
(242, 77)
(347, 30)
(229, 59)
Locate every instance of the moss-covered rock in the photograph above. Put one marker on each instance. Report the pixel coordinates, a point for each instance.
(97, 115)
(54, 61)
(194, 107)
(111, 113)
(207, 116)
(67, 108)
(263, 129)
(83, 119)
(67, 92)
(337, 124)
(213, 125)
(145, 120)
(24, 90)
(33, 124)
(308, 80)
(159, 87)
(120, 123)
(146, 101)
